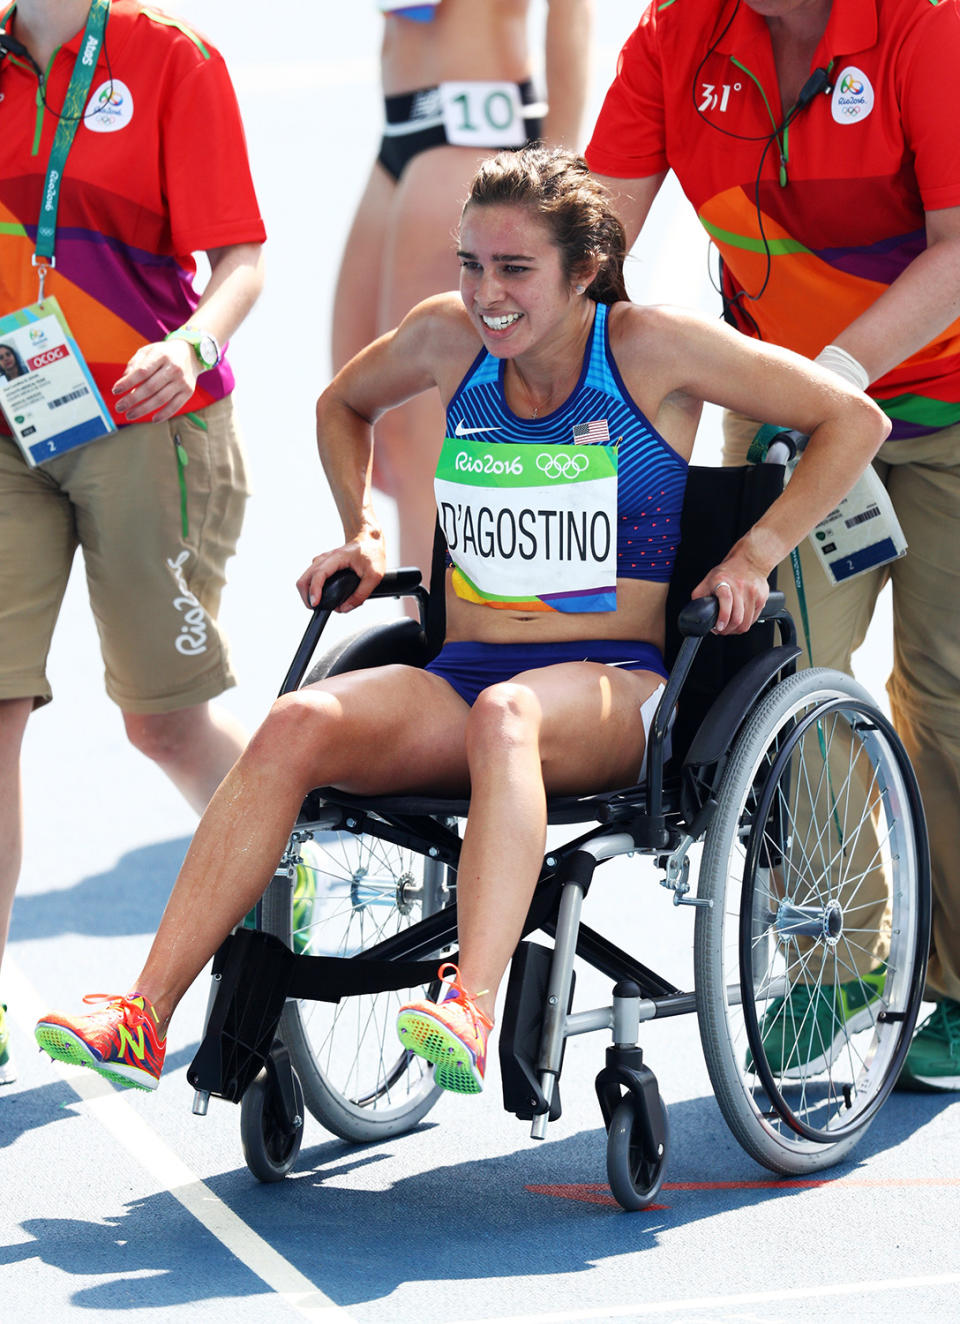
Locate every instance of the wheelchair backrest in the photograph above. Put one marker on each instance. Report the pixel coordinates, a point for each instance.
(719, 506)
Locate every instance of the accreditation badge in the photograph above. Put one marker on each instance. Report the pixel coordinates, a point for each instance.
(47, 393)
(530, 526)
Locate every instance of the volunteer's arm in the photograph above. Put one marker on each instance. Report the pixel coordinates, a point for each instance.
(161, 377)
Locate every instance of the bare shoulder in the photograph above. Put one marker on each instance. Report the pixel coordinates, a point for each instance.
(655, 332)
(439, 331)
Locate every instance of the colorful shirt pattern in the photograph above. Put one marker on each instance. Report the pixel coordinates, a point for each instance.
(842, 190)
(157, 172)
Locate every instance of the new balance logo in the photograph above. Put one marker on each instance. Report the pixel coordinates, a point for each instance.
(136, 1045)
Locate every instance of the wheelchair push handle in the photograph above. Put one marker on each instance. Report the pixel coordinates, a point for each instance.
(699, 616)
(336, 590)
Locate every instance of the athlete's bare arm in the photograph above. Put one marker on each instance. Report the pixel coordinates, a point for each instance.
(668, 356)
(432, 347)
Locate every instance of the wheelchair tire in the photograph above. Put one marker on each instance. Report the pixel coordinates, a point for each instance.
(817, 806)
(635, 1175)
(269, 1151)
(359, 1082)
(357, 1079)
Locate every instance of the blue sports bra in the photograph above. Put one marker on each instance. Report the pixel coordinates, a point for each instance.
(651, 476)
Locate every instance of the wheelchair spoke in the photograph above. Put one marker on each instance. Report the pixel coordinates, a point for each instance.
(352, 892)
(815, 956)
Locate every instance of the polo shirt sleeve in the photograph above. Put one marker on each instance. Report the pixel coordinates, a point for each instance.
(629, 139)
(926, 75)
(206, 175)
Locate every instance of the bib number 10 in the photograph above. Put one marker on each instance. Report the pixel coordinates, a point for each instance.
(483, 114)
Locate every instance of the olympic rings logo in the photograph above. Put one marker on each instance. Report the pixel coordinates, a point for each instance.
(552, 465)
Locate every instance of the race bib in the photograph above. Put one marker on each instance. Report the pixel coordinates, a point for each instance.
(47, 394)
(530, 527)
(483, 114)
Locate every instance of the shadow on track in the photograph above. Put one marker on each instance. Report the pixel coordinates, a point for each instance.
(127, 899)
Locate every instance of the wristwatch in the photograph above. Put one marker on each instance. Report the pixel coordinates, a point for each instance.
(204, 344)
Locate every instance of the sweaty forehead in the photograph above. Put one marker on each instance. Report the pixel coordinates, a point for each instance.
(504, 230)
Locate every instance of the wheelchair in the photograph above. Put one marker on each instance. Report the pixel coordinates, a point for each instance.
(800, 798)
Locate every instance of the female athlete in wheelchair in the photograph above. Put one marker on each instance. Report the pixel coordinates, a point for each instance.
(571, 416)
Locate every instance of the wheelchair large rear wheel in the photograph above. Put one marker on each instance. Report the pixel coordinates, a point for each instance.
(810, 956)
(349, 893)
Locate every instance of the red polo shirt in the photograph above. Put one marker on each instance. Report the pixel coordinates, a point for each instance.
(157, 172)
(818, 219)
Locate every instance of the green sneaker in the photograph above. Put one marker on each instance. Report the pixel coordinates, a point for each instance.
(933, 1062)
(7, 1071)
(804, 1033)
(304, 896)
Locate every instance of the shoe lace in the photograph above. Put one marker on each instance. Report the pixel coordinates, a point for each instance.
(946, 1019)
(465, 999)
(123, 1001)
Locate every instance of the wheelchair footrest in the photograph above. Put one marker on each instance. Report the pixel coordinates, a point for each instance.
(257, 973)
(520, 1033)
(254, 971)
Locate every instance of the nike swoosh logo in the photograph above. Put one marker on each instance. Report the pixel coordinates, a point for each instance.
(461, 431)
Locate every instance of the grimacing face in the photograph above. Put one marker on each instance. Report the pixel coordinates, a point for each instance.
(511, 277)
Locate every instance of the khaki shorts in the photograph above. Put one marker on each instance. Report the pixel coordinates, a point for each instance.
(154, 584)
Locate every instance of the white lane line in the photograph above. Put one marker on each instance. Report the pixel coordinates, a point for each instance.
(664, 1309)
(108, 1106)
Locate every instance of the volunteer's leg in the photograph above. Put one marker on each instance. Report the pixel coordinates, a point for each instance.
(838, 616)
(924, 688)
(37, 545)
(196, 747)
(156, 571)
(13, 721)
(390, 729)
(567, 729)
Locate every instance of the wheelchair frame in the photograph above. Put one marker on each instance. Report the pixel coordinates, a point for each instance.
(258, 977)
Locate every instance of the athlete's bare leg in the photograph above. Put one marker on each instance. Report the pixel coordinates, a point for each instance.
(392, 728)
(572, 729)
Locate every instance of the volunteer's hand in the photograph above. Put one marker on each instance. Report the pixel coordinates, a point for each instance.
(158, 381)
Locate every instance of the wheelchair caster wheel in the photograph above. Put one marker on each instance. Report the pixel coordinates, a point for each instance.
(269, 1149)
(635, 1169)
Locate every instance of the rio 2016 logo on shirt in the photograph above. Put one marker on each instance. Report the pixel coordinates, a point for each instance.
(852, 96)
(109, 108)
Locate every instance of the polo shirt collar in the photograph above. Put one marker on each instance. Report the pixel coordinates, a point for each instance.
(852, 26)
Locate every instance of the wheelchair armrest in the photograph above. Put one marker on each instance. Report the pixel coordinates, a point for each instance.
(699, 616)
(398, 583)
(334, 593)
(394, 584)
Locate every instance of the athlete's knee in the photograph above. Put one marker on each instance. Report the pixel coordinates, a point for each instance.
(504, 717)
(296, 727)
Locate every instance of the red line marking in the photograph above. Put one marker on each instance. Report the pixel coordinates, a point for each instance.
(598, 1193)
(586, 1193)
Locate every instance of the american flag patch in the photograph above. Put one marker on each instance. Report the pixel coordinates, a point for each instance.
(584, 434)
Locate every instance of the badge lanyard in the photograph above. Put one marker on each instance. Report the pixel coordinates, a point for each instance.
(71, 113)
